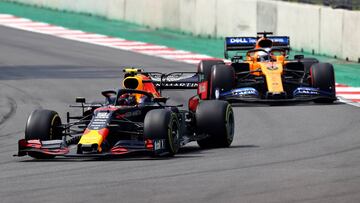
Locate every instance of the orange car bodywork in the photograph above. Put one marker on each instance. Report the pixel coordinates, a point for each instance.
(272, 69)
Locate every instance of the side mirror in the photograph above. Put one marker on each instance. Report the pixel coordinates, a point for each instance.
(80, 100)
(226, 55)
(236, 59)
(108, 93)
(298, 57)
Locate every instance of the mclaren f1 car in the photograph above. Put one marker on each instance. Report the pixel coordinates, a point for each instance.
(133, 119)
(266, 74)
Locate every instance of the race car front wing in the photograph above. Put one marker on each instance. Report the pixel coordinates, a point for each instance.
(60, 148)
(249, 94)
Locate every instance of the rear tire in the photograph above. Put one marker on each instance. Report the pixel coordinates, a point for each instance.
(223, 78)
(216, 119)
(42, 125)
(163, 124)
(323, 77)
(205, 66)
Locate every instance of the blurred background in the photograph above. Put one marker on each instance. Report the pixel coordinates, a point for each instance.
(344, 4)
(322, 27)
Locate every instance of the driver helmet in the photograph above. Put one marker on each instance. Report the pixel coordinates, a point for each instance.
(262, 56)
(127, 100)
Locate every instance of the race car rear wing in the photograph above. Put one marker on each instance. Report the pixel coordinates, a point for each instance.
(175, 80)
(248, 43)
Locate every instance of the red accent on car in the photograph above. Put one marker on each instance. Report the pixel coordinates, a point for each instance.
(149, 86)
(203, 89)
(56, 151)
(119, 150)
(193, 103)
(33, 144)
(104, 132)
(107, 108)
(311, 77)
(22, 143)
(36, 144)
(149, 144)
(86, 131)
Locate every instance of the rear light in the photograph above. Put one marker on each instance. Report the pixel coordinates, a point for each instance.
(193, 103)
(203, 89)
(149, 144)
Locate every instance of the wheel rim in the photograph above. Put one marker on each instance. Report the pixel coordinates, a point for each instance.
(230, 125)
(55, 131)
(174, 136)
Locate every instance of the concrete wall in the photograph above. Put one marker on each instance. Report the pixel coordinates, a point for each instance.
(328, 31)
(187, 9)
(331, 41)
(302, 23)
(267, 12)
(351, 33)
(236, 18)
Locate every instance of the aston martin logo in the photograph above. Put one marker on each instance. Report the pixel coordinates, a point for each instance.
(272, 67)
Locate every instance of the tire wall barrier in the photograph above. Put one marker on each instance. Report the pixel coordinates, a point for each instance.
(312, 28)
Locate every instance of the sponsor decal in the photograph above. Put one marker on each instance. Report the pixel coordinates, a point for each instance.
(280, 40)
(177, 84)
(159, 144)
(180, 76)
(99, 120)
(173, 77)
(244, 91)
(272, 67)
(102, 115)
(306, 91)
(241, 40)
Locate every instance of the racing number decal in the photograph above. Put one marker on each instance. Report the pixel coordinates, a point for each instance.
(159, 144)
(100, 120)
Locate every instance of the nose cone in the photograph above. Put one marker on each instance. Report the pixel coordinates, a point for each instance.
(91, 140)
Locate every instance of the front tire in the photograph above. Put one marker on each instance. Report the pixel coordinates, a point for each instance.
(216, 119)
(43, 125)
(308, 62)
(163, 124)
(323, 77)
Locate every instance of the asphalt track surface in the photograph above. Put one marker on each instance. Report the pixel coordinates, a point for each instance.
(293, 153)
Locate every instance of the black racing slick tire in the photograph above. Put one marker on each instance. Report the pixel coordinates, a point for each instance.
(43, 125)
(163, 124)
(222, 78)
(323, 77)
(215, 118)
(205, 66)
(308, 62)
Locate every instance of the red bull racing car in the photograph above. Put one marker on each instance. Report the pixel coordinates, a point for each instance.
(134, 119)
(265, 74)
